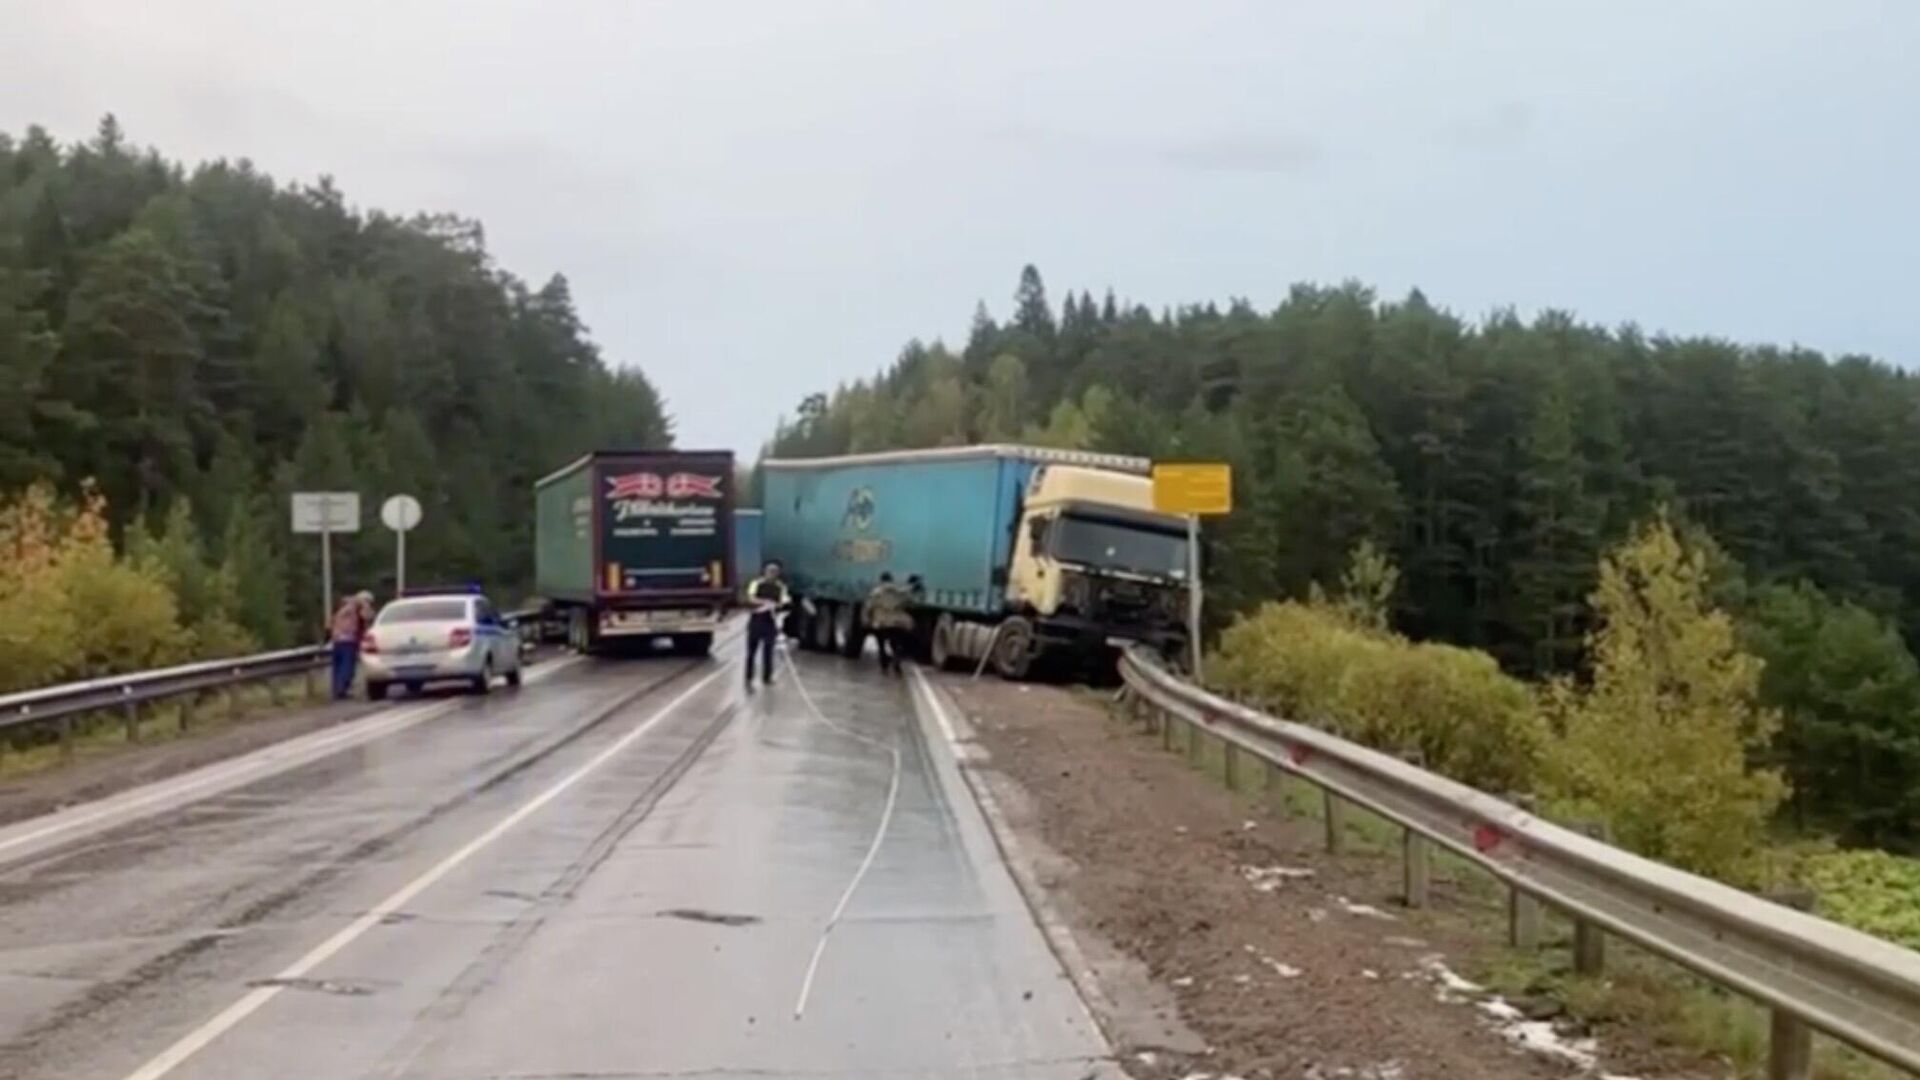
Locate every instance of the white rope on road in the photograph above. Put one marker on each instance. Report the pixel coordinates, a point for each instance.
(873, 849)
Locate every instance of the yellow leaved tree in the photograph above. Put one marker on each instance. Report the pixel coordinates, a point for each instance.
(1661, 744)
(69, 607)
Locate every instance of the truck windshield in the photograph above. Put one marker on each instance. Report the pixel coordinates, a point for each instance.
(1113, 545)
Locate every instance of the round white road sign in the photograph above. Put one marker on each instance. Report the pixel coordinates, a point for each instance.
(400, 513)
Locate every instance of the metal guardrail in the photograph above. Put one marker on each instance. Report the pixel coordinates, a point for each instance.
(1813, 974)
(127, 693)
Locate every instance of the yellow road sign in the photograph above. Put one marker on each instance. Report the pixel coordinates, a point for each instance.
(1193, 488)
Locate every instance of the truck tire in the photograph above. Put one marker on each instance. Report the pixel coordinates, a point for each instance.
(1013, 649)
(823, 616)
(848, 635)
(692, 644)
(940, 651)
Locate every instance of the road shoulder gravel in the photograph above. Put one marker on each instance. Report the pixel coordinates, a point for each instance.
(1223, 940)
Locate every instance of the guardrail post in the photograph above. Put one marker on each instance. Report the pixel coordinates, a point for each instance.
(1523, 920)
(1166, 730)
(1194, 745)
(1418, 866)
(1276, 789)
(1790, 1056)
(1336, 815)
(66, 739)
(188, 702)
(1231, 766)
(312, 687)
(1589, 941)
(132, 711)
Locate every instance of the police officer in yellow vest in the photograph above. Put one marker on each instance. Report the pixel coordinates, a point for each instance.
(766, 598)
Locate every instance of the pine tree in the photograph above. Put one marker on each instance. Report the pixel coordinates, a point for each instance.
(1554, 538)
(27, 350)
(1003, 401)
(1849, 692)
(1031, 312)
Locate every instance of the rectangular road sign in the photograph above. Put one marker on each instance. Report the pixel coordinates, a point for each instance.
(326, 511)
(1193, 488)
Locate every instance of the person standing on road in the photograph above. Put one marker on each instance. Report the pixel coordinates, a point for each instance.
(766, 597)
(350, 622)
(887, 616)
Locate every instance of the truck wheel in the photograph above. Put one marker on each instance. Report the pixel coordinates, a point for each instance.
(848, 634)
(1013, 653)
(693, 644)
(823, 620)
(940, 652)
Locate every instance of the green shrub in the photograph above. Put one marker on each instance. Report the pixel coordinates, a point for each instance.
(1453, 709)
(1872, 891)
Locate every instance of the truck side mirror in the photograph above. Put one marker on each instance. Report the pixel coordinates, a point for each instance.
(1037, 532)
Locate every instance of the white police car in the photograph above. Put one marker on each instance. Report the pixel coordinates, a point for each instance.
(433, 636)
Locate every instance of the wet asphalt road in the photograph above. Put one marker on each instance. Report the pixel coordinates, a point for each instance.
(627, 870)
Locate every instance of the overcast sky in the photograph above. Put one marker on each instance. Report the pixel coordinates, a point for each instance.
(757, 200)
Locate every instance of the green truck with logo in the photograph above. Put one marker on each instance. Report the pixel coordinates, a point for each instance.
(637, 547)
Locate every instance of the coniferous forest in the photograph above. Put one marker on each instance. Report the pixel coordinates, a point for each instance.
(183, 346)
(1495, 460)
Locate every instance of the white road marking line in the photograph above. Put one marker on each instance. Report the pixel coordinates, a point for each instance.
(939, 711)
(873, 849)
(198, 1039)
(1053, 929)
(367, 729)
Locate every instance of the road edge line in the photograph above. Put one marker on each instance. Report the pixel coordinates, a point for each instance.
(1047, 918)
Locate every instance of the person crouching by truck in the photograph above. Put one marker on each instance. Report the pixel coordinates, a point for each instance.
(887, 616)
(350, 623)
(766, 596)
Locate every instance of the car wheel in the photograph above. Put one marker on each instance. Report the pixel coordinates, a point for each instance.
(413, 689)
(513, 677)
(376, 691)
(483, 682)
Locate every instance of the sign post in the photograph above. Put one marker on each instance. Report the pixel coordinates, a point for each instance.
(1193, 489)
(400, 513)
(326, 513)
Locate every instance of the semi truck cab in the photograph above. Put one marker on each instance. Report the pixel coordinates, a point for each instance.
(1093, 558)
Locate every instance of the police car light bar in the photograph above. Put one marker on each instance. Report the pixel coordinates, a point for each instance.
(472, 588)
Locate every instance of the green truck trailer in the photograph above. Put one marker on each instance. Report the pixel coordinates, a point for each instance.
(637, 546)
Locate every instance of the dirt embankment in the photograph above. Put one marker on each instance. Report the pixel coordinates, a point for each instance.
(1283, 961)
